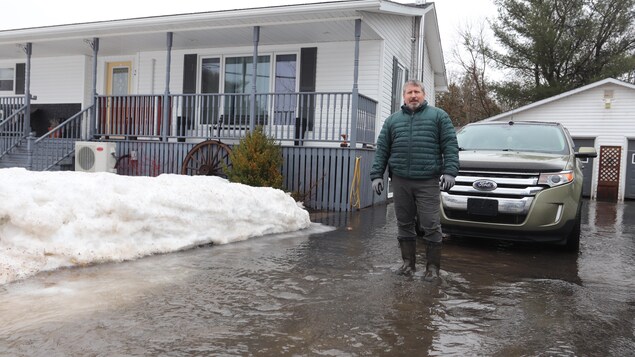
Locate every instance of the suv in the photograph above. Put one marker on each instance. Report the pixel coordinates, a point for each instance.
(518, 181)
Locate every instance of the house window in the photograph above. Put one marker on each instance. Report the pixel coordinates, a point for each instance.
(285, 89)
(120, 83)
(238, 73)
(210, 83)
(233, 75)
(6, 79)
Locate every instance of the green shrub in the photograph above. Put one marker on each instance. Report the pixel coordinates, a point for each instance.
(256, 161)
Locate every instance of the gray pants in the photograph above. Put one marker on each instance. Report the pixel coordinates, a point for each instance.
(417, 197)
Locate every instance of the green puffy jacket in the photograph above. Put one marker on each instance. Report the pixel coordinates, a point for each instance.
(417, 145)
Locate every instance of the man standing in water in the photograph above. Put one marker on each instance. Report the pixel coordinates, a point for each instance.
(418, 145)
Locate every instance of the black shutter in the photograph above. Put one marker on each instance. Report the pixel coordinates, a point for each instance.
(20, 77)
(308, 65)
(185, 120)
(189, 73)
(395, 77)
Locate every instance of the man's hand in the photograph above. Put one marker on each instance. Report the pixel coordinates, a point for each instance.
(378, 185)
(446, 182)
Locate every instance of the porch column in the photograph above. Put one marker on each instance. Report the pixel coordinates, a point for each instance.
(355, 93)
(27, 89)
(254, 76)
(27, 102)
(93, 111)
(166, 96)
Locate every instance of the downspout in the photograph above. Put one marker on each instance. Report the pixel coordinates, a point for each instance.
(355, 93)
(166, 95)
(417, 69)
(93, 111)
(254, 76)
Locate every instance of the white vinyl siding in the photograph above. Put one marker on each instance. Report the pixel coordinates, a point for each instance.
(59, 79)
(584, 113)
(396, 31)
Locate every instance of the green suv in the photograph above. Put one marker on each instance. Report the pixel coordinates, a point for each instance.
(518, 181)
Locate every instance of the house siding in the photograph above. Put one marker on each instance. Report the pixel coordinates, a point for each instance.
(428, 78)
(396, 31)
(56, 79)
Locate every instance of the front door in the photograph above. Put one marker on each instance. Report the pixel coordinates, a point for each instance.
(118, 79)
(609, 174)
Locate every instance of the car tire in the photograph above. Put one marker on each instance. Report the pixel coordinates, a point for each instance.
(573, 239)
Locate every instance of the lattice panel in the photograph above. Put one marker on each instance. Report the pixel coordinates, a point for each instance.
(610, 163)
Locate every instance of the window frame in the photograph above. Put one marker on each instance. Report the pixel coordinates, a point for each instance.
(273, 57)
(13, 79)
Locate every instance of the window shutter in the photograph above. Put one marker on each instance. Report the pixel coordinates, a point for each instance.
(189, 73)
(20, 77)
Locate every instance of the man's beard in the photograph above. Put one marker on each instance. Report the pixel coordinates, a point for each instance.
(413, 105)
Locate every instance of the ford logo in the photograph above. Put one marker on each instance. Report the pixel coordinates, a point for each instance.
(484, 185)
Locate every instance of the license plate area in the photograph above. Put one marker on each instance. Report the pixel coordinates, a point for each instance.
(482, 207)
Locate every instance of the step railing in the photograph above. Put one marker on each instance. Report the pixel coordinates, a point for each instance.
(12, 130)
(58, 143)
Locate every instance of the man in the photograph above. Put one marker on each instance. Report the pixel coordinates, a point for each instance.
(418, 145)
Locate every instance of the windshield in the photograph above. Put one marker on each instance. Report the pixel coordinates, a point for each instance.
(517, 137)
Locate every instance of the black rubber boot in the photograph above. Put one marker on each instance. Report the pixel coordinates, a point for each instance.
(433, 261)
(409, 256)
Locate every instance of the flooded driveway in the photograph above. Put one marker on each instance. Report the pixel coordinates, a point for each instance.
(318, 293)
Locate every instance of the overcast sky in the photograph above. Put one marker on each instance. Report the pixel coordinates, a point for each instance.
(452, 14)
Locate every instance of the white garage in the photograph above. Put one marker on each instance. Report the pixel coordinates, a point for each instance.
(601, 114)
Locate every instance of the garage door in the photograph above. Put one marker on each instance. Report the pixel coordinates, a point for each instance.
(587, 164)
(629, 190)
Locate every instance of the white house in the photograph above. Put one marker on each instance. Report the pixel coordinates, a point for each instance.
(319, 78)
(602, 115)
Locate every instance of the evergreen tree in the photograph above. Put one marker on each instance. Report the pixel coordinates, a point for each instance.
(256, 161)
(553, 46)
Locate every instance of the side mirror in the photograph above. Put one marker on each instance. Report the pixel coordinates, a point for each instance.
(585, 152)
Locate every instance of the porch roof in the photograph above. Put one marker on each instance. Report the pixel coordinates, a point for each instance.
(304, 23)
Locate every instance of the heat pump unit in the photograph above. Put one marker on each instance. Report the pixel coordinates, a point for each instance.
(92, 156)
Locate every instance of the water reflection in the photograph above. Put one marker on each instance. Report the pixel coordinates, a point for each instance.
(331, 292)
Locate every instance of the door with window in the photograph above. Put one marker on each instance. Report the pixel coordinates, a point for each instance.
(116, 107)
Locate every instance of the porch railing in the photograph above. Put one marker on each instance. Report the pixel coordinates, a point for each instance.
(11, 125)
(58, 143)
(292, 118)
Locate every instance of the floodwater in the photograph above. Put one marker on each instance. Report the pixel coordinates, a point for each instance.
(334, 294)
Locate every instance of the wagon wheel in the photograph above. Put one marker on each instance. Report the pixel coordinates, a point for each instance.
(207, 159)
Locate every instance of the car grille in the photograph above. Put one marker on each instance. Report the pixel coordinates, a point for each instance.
(513, 191)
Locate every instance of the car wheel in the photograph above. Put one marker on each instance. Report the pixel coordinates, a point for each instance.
(573, 239)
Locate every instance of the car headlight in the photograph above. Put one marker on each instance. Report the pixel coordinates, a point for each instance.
(556, 178)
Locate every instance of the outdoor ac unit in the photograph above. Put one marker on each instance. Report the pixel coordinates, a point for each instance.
(91, 156)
